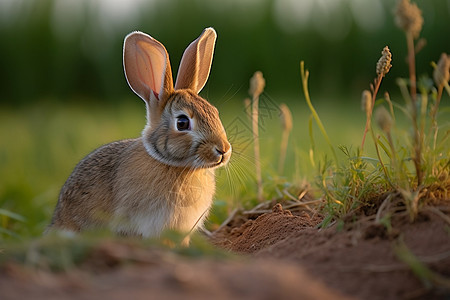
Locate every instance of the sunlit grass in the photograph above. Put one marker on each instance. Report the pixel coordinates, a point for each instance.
(42, 143)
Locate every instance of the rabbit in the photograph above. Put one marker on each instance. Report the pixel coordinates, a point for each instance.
(165, 178)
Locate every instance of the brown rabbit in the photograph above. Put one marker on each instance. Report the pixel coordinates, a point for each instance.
(165, 178)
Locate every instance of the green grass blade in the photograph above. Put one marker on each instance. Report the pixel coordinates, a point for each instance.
(10, 214)
(305, 75)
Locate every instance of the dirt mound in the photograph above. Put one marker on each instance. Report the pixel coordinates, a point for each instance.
(364, 261)
(286, 257)
(158, 275)
(266, 230)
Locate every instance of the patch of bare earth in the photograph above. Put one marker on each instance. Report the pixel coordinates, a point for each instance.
(283, 256)
(122, 271)
(358, 261)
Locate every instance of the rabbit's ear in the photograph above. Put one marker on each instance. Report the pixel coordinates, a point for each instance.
(147, 67)
(196, 62)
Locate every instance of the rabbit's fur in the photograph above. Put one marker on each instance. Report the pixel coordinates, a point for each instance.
(164, 179)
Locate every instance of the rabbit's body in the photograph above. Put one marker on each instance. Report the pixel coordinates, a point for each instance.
(165, 179)
(174, 197)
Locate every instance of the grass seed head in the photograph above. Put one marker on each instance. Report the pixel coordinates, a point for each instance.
(366, 101)
(286, 117)
(441, 74)
(257, 84)
(383, 119)
(384, 63)
(408, 17)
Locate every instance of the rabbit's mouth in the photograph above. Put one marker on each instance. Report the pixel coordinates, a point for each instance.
(215, 165)
(224, 156)
(213, 156)
(223, 160)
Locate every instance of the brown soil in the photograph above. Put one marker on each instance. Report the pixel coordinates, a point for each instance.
(284, 256)
(120, 270)
(359, 261)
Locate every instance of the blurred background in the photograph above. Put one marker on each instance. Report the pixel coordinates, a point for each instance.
(66, 49)
(63, 92)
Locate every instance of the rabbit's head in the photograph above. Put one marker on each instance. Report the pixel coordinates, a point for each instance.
(183, 129)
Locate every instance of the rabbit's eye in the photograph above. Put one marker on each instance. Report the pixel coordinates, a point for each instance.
(183, 123)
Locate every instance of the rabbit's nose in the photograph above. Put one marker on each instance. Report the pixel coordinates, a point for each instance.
(223, 149)
(220, 151)
(224, 152)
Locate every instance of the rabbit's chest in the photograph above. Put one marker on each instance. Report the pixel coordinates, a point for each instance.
(191, 206)
(180, 204)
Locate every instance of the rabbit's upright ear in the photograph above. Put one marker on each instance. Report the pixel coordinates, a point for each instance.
(147, 67)
(196, 62)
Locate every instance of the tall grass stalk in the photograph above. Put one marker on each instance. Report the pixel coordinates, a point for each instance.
(286, 125)
(257, 84)
(369, 112)
(416, 173)
(312, 146)
(412, 67)
(441, 76)
(385, 171)
(305, 75)
(383, 67)
(409, 18)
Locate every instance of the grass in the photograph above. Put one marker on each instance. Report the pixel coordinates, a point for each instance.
(42, 143)
(411, 164)
(39, 148)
